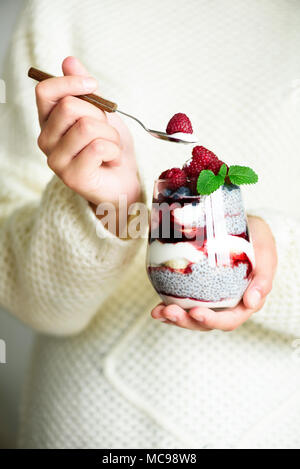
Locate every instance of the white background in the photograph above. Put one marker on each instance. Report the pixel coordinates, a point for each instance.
(17, 337)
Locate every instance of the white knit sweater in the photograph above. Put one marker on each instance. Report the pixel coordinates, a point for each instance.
(104, 373)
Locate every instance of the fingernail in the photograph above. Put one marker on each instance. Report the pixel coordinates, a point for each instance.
(198, 317)
(90, 84)
(172, 318)
(161, 319)
(254, 298)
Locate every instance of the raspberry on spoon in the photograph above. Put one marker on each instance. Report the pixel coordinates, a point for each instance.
(179, 123)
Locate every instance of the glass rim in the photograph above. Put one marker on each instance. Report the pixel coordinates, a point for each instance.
(185, 196)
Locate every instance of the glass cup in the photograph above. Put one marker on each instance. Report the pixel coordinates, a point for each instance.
(199, 248)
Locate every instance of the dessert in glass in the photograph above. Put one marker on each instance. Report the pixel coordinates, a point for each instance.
(199, 249)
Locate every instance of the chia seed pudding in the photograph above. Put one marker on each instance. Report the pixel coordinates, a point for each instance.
(199, 248)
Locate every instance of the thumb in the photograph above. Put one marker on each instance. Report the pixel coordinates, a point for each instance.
(266, 261)
(72, 66)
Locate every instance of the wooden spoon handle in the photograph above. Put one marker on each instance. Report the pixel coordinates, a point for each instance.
(97, 101)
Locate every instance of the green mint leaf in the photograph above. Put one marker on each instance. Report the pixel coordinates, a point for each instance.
(223, 170)
(242, 175)
(208, 182)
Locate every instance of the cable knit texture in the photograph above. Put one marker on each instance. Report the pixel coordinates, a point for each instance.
(118, 379)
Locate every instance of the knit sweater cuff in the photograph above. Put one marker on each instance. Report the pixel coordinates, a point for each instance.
(80, 226)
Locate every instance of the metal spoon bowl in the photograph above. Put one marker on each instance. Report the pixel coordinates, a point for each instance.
(157, 133)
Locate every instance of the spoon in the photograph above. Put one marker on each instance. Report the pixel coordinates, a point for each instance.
(109, 106)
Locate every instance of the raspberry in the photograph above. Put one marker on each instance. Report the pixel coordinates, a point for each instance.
(215, 165)
(201, 159)
(179, 123)
(176, 177)
(193, 185)
(193, 168)
(204, 155)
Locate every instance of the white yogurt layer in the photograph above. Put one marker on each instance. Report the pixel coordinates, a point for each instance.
(231, 245)
(190, 215)
(188, 303)
(191, 138)
(160, 253)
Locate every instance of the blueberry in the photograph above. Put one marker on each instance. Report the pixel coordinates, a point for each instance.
(166, 192)
(229, 187)
(181, 192)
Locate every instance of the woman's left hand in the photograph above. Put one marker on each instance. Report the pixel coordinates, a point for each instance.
(205, 319)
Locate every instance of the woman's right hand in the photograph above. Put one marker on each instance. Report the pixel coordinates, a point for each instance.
(90, 151)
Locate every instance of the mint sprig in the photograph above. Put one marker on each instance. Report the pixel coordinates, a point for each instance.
(242, 175)
(209, 182)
